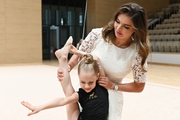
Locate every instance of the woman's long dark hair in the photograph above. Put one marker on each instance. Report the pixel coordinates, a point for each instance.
(139, 19)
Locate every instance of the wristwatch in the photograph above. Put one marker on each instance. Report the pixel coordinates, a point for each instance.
(116, 86)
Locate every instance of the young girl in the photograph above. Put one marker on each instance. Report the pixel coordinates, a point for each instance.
(92, 97)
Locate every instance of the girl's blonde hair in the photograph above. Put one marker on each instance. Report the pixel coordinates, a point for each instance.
(88, 63)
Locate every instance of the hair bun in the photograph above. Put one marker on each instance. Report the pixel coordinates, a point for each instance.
(88, 59)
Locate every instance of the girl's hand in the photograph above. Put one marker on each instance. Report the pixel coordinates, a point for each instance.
(34, 109)
(105, 82)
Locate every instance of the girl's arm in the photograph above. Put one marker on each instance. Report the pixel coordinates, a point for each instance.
(52, 104)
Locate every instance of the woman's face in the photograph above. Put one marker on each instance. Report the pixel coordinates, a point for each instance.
(87, 80)
(123, 27)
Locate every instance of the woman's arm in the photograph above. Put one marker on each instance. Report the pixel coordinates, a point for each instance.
(73, 62)
(52, 104)
(139, 76)
(124, 87)
(131, 87)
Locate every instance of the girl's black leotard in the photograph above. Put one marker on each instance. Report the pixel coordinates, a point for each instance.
(94, 104)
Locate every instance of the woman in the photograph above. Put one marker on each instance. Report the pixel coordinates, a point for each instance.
(121, 46)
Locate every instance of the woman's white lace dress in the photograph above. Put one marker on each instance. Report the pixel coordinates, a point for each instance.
(117, 63)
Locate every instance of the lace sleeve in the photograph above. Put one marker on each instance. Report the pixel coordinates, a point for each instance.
(88, 44)
(139, 75)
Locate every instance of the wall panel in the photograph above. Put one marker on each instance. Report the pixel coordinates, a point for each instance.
(21, 31)
(104, 9)
(2, 32)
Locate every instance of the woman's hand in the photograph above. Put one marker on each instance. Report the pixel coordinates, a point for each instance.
(73, 50)
(60, 75)
(105, 82)
(34, 109)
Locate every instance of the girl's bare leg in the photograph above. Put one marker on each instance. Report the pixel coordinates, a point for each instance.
(62, 55)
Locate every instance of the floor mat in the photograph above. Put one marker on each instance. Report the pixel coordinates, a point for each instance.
(38, 84)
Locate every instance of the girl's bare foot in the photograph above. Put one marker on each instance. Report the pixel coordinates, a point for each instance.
(65, 48)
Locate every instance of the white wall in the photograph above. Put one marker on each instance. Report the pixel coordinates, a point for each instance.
(167, 58)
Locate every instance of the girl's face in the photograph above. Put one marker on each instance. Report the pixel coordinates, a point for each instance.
(87, 80)
(123, 27)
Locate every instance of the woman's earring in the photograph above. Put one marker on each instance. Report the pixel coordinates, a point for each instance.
(132, 38)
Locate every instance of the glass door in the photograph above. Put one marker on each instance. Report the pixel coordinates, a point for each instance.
(61, 19)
